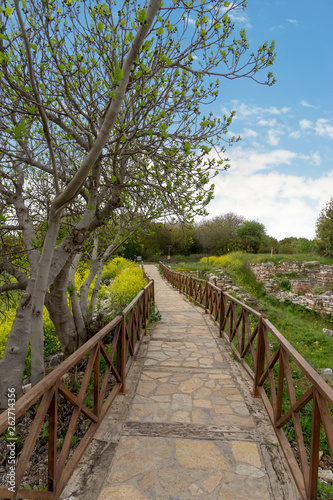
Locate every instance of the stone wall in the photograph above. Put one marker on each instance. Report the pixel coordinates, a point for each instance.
(309, 274)
(322, 304)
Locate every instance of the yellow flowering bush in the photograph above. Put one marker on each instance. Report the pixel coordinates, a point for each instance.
(5, 329)
(126, 286)
(115, 267)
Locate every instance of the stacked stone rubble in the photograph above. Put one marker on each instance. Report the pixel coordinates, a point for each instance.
(310, 274)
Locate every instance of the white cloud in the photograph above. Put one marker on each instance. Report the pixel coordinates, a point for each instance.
(287, 204)
(308, 105)
(270, 123)
(273, 137)
(324, 128)
(248, 132)
(249, 110)
(305, 124)
(295, 135)
(293, 21)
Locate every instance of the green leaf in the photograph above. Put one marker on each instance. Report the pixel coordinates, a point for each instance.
(113, 179)
(19, 130)
(100, 26)
(118, 74)
(142, 16)
(187, 147)
(8, 11)
(160, 31)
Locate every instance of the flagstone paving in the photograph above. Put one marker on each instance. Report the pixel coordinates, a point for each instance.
(192, 431)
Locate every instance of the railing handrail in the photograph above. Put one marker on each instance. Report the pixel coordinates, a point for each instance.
(214, 300)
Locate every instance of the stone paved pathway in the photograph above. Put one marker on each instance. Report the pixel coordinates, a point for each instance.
(189, 433)
(191, 430)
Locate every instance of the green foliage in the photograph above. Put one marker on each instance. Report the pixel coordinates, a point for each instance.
(154, 314)
(285, 284)
(325, 491)
(318, 290)
(236, 265)
(115, 267)
(126, 285)
(252, 233)
(324, 227)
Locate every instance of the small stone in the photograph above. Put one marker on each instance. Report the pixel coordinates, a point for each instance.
(212, 482)
(190, 385)
(200, 454)
(249, 470)
(246, 452)
(326, 475)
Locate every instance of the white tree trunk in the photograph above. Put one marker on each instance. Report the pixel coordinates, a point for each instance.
(76, 309)
(13, 361)
(60, 313)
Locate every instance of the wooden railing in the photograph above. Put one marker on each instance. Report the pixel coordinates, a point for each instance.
(270, 359)
(108, 356)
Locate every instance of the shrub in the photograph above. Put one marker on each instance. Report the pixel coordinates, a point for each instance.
(126, 286)
(115, 267)
(285, 284)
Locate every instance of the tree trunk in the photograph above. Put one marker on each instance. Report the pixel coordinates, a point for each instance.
(84, 290)
(60, 313)
(38, 300)
(95, 291)
(76, 309)
(13, 361)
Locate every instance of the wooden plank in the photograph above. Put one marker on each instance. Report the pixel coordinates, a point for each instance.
(279, 397)
(296, 419)
(28, 399)
(318, 382)
(85, 441)
(32, 437)
(96, 381)
(327, 421)
(52, 443)
(76, 412)
(75, 402)
(314, 453)
(300, 403)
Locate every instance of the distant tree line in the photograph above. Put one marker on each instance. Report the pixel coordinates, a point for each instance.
(216, 236)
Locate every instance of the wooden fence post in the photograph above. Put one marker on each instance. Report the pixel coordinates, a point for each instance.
(122, 355)
(222, 312)
(315, 444)
(52, 443)
(206, 298)
(260, 359)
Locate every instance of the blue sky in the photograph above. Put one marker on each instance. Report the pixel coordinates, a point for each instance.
(282, 171)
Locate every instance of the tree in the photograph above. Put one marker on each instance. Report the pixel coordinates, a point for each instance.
(219, 235)
(252, 233)
(102, 114)
(324, 227)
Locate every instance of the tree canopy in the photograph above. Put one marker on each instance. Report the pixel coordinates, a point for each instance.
(103, 118)
(324, 227)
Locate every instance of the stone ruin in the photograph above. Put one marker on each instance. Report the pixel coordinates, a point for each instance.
(309, 276)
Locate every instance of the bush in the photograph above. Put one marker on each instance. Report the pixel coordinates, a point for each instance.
(126, 286)
(115, 267)
(318, 290)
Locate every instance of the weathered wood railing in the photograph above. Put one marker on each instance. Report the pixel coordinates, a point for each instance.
(124, 333)
(269, 360)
